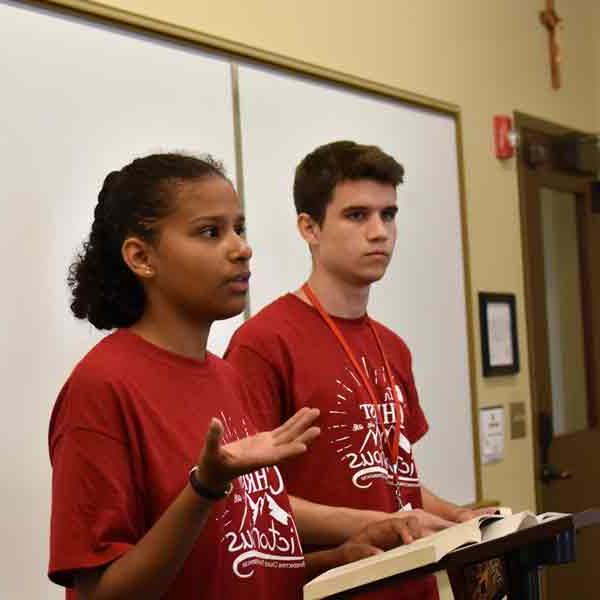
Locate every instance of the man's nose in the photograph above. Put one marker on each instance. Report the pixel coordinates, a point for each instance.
(376, 228)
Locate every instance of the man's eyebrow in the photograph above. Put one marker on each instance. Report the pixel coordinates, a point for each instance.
(355, 207)
(392, 207)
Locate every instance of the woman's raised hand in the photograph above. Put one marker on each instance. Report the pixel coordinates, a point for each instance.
(218, 464)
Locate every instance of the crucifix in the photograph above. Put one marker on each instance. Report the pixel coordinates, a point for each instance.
(550, 21)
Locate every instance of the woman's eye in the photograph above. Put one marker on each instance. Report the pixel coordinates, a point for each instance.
(209, 232)
(241, 230)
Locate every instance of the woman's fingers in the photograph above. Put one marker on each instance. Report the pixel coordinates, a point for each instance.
(212, 441)
(309, 435)
(283, 451)
(296, 425)
(291, 422)
(263, 449)
(211, 470)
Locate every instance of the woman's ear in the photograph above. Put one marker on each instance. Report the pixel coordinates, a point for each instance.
(137, 255)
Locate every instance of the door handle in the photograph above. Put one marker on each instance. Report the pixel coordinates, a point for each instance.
(551, 473)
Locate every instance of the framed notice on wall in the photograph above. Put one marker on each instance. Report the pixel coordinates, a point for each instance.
(499, 344)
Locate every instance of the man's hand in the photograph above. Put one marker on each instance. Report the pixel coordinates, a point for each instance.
(419, 520)
(219, 464)
(448, 510)
(383, 532)
(429, 523)
(391, 532)
(379, 536)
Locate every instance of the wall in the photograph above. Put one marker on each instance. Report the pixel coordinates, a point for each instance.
(486, 57)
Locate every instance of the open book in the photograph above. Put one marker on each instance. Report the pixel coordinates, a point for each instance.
(424, 551)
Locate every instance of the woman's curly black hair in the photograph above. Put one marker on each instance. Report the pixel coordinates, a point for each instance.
(104, 290)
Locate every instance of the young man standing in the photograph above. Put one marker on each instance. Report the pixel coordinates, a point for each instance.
(318, 347)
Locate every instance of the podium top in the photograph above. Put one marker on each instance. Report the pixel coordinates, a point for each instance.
(586, 518)
(531, 538)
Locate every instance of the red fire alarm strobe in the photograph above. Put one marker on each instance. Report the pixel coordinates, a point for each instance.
(503, 134)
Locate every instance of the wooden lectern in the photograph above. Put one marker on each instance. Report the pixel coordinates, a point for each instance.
(522, 553)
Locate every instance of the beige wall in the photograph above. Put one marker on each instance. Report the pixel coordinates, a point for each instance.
(486, 57)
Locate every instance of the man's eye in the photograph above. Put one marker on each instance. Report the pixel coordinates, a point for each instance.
(355, 216)
(389, 215)
(241, 230)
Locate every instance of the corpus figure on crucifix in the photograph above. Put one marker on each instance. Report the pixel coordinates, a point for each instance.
(550, 20)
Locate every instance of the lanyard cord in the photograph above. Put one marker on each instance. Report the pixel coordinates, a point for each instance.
(393, 447)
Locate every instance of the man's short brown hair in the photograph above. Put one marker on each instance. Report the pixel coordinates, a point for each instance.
(321, 170)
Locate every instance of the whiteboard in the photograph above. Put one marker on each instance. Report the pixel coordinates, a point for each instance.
(78, 100)
(422, 297)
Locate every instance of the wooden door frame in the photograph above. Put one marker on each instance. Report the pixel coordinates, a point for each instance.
(530, 239)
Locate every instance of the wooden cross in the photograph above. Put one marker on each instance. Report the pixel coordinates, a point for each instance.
(550, 21)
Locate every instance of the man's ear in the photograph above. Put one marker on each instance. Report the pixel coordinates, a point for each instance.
(138, 256)
(309, 229)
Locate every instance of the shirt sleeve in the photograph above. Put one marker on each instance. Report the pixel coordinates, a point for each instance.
(401, 362)
(417, 425)
(264, 391)
(96, 513)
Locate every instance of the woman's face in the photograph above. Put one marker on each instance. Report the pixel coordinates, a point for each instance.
(201, 258)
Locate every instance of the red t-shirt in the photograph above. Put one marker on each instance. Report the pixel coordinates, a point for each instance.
(126, 428)
(289, 358)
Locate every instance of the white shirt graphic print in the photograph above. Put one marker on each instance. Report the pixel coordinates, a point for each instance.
(361, 431)
(257, 525)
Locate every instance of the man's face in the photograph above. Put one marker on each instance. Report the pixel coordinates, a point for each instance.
(356, 239)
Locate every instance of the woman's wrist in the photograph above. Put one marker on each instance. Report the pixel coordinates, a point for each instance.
(205, 487)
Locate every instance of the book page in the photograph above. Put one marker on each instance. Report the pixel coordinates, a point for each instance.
(509, 524)
(550, 516)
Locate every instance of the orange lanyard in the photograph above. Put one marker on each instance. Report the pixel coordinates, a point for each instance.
(393, 447)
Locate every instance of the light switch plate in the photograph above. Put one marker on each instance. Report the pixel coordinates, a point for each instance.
(518, 420)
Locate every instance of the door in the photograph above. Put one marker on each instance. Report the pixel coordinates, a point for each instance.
(561, 247)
